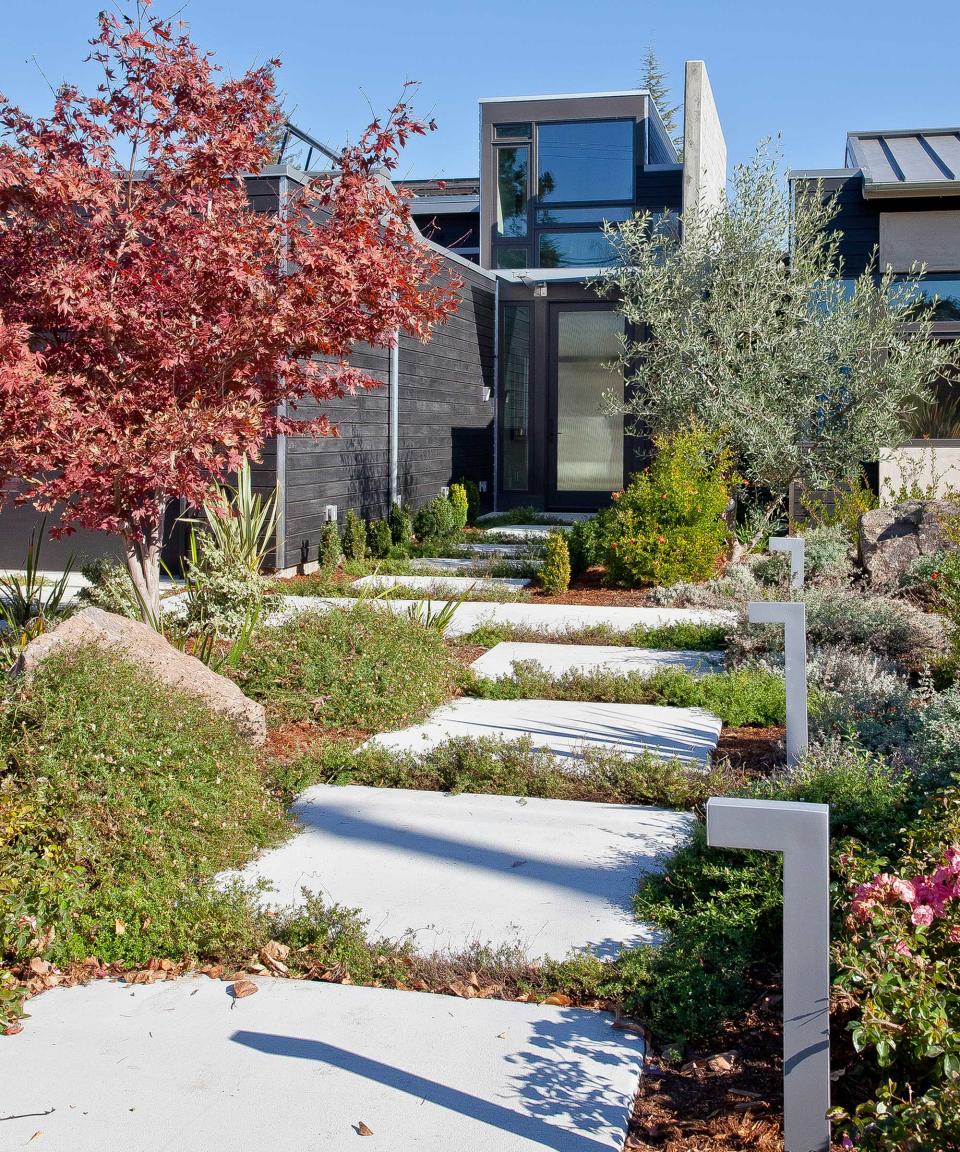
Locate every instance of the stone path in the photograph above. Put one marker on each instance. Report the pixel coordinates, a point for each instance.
(545, 618)
(546, 876)
(182, 1067)
(566, 728)
(529, 531)
(438, 585)
(558, 659)
(467, 565)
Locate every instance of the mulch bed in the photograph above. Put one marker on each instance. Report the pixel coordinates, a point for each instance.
(590, 589)
(758, 751)
(726, 1096)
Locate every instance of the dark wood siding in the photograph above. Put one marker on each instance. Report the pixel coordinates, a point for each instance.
(859, 219)
(445, 419)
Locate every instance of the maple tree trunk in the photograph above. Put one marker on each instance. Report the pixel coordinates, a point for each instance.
(143, 564)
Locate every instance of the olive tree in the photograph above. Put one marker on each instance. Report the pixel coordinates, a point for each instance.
(748, 328)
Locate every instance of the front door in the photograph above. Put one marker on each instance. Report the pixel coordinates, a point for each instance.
(585, 461)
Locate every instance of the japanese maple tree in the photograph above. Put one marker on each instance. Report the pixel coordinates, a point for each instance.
(162, 329)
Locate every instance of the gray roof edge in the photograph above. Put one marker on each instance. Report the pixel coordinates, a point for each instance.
(821, 173)
(906, 132)
(564, 96)
(902, 190)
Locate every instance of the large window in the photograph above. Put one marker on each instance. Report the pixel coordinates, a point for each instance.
(512, 167)
(585, 161)
(515, 428)
(575, 250)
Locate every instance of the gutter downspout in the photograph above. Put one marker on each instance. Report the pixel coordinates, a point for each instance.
(393, 386)
(280, 545)
(496, 395)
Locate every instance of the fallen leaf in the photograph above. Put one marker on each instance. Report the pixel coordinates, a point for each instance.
(241, 988)
(119, 927)
(464, 991)
(273, 951)
(13, 1029)
(35, 1136)
(559, 999)
(40, 967)
(363, 1130)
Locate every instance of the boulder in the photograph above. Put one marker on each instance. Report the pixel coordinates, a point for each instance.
(891, 539)
(149, 651)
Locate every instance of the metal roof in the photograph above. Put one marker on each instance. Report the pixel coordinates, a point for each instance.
(907, 162)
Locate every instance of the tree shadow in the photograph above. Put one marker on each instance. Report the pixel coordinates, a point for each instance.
(571, 1087)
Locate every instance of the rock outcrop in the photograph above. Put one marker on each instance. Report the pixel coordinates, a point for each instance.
(149, 651)
(891, 539)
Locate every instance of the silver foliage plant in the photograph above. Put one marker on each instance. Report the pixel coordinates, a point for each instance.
(747, 328)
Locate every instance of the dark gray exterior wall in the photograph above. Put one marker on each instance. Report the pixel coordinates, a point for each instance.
(859, 218)
(445, 422)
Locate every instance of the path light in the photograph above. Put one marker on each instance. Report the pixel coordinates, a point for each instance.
(795, 549)
(793, 617)
(802, 833)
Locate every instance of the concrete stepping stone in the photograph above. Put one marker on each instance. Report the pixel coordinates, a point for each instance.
(438, 585)
(559, 517)
(448, 565)
(547, 876)
(544, 618)
(567, 727)
(558, 659)
(528, 531)
(298, 1066)
(508, 551)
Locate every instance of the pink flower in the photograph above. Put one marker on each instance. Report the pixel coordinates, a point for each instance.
(954, 934)
(902, 949)
(922, 916)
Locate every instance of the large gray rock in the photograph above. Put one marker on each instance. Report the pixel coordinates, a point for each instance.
(149, 651)
(891, 539)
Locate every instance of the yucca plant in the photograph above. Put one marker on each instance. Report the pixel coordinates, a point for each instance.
(240, 521)
(26, 596)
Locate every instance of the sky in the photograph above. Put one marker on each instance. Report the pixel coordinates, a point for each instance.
(808, 73)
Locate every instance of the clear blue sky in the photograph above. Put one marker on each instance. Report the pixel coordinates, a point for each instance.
(806, 71)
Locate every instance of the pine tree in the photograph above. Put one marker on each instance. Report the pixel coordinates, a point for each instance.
(655, 82)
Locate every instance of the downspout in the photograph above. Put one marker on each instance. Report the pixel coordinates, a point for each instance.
(496, 395)
(393, 388)
(280, 546)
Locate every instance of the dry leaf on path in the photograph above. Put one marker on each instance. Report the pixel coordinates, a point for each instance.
(241, 988)
(363, 1130)
(558, 999)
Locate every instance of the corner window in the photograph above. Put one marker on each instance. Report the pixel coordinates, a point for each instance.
(585, 161)
(512, 168)
(515, 425)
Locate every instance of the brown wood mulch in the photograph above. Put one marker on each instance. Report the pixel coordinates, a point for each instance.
(759, 751)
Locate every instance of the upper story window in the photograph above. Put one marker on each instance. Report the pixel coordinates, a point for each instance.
(512, 169)
(585, 161)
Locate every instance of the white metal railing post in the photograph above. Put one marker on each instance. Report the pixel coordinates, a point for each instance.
(802, 833)
(793, 617)
(795, 549)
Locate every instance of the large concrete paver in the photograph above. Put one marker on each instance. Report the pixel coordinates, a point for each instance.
(528, 531)
(567, 727)
(558, 659)
(438, 585)
(182, 1067)
(547, 876)
(545, 618)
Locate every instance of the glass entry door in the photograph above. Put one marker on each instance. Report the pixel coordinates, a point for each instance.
(586, 461)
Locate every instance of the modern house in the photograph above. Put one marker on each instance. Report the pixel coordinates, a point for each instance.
(553, 170)
(898, 208)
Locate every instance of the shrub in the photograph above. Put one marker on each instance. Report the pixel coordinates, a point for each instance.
(330, 552)
(379, 539)
(473, 499)
(582, 543)
(844, 616)
(110, 588)
(354, 537)
(356, 668)
(827, 552)
(461, 506)
(224, 594)
(667, 524)
(935, 748)
(899, 964)
(859, 695)
(737, 585)
(555, 570)
(401, 526)
(848, 504)
(435, 521)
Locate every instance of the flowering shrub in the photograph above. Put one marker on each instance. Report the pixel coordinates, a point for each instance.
(899, 978)
(667, 525)
(859, 694)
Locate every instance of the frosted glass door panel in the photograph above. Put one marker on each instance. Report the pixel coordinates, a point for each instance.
(589, 441)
